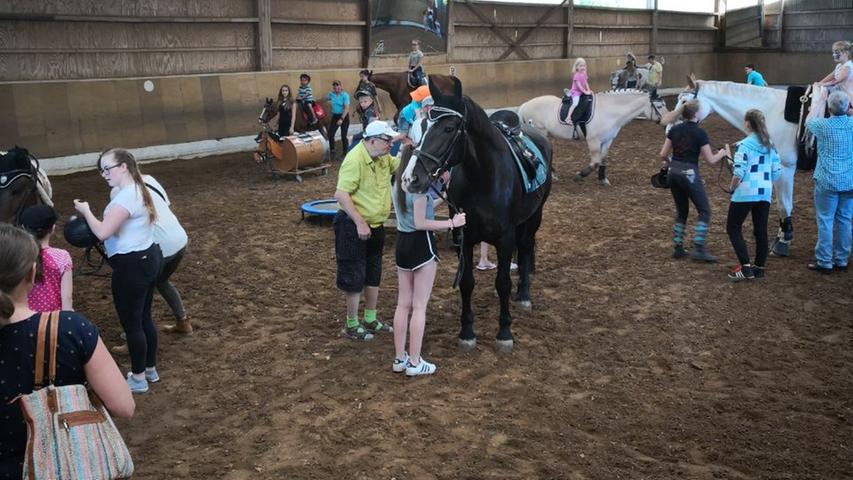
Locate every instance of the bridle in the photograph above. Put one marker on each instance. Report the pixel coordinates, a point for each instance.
(7, 179)
(656, 109)
(443, 160)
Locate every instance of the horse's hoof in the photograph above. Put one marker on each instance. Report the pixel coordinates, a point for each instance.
(525, 305)
(504, 346)
(467, 345)
(604, 182)
(780, 249)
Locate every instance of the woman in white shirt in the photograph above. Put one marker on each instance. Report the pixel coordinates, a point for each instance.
(128, 234)
(842, 77)
(173, 240)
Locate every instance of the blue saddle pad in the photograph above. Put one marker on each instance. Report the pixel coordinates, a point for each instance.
(530, 184)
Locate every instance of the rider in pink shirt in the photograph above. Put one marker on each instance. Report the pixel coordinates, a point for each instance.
(580, 84)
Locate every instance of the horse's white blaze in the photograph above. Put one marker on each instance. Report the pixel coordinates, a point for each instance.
(407, 173)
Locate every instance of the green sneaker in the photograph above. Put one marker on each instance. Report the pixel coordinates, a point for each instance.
(378, 326)
(358, 333)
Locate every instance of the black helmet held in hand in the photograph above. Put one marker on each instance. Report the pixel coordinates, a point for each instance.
(78, 233)
(660, 179)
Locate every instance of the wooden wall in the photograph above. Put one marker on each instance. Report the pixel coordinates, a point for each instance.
(812, 25)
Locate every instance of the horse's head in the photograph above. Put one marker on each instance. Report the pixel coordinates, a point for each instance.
(267, 111)
(18, 179)
(657, 109)
(443, 142)
(691, 92)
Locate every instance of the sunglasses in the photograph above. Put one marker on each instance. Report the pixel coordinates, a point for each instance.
(106, 170)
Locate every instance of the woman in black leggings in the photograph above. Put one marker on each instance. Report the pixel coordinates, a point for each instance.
(128, 234)
(687, 142)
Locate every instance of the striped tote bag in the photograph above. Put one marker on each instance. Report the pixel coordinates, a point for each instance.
(70, 434)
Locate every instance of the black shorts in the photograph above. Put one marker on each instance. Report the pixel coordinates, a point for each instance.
(359, 261)
(415, 249)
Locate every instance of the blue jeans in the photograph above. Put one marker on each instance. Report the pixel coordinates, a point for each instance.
(833, 211)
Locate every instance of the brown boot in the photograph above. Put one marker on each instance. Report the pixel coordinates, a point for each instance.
(181, 327)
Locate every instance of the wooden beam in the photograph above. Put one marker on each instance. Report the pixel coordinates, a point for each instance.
(36, 17)
(782, 25)
(493, 27)
(566, 33)
(653, 44)
(571, 34)
(530, 30)
(323, 23)
(450, 33)
(367, 11)
(720, 23)
(264, 36)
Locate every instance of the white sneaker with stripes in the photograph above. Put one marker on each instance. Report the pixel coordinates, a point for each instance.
(422, 368)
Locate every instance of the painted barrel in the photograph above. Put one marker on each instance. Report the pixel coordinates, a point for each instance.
(300, 151)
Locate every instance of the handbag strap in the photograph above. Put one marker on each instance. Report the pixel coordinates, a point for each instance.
(51, 319)
(54, 341)
(39, 363)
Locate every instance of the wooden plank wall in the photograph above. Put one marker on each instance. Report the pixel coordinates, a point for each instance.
(68, 39)
(812, 25)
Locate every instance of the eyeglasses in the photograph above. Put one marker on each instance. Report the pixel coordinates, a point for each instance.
(836, 52)
(106, 170)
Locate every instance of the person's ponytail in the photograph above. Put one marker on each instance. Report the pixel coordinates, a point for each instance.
(123, 156)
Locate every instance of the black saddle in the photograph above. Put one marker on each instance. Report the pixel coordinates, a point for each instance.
(509, 125)
(580, 116)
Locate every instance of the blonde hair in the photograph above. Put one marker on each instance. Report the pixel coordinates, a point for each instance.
(689, 109)
(122, 156)
(580, 61)
(843, 45)
(756, 121)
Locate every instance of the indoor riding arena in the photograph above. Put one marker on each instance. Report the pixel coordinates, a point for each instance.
(630, 364)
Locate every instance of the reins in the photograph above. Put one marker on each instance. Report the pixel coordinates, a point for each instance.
(443, 167)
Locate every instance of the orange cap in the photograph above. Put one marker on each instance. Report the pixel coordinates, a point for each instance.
(420, 93)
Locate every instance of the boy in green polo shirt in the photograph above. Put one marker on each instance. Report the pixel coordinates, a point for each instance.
(364, 194)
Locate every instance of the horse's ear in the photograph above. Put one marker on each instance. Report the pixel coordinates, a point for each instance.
(435, 91)
(691, 81)
(457, 90)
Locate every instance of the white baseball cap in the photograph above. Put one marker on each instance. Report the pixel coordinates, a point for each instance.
(378, 128)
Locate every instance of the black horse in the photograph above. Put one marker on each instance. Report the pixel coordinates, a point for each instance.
(486, 184)
(18, 184)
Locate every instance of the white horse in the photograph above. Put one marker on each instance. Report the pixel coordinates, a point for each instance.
(611, 111)
(731, 101)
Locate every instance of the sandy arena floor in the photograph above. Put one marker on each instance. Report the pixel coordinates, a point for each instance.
(631, 365)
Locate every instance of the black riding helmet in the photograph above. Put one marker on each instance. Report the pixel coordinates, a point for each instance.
(660, 179)
(78, 233)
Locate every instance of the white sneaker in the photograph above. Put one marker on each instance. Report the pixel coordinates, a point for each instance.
(400, 365)
(423, 368)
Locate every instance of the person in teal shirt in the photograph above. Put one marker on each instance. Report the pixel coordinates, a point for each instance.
(340, 101)
(753, 77)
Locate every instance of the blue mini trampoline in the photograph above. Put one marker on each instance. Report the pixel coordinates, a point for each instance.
(326, 208)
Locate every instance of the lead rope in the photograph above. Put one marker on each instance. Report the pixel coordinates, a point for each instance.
(460, 267)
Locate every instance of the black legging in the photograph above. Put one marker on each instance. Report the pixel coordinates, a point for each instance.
(344, 130)
(133, 284)
(734, 227)
(685, 183)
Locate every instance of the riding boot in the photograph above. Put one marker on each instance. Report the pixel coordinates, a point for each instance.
(678, 250)
(699, 253)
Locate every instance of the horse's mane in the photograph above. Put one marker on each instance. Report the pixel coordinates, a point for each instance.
(741, 89)
(624, 91)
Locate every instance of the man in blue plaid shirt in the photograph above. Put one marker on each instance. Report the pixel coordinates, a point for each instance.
(833, 186)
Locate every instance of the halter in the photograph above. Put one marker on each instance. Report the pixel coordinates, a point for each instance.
(656, 109)
(435, 114)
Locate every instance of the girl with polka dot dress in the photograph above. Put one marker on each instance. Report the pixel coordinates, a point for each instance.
(54, 285)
